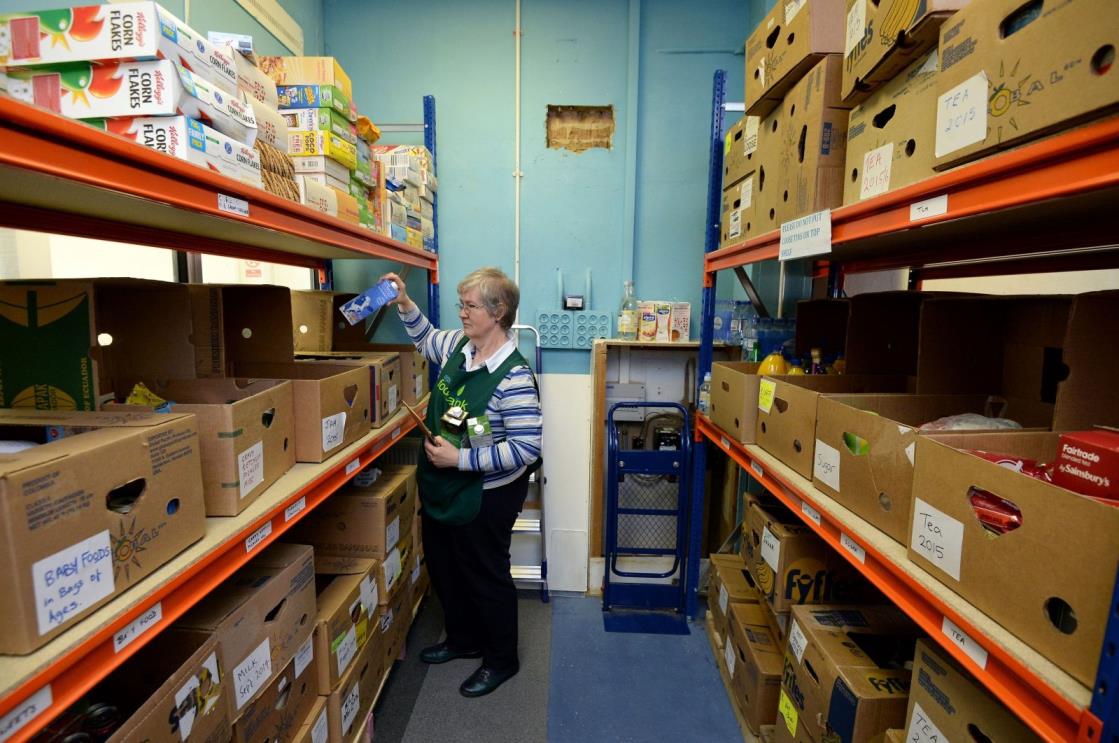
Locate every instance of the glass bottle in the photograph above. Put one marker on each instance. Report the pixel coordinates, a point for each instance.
(817, 362)
(627, 315)
(704, 403)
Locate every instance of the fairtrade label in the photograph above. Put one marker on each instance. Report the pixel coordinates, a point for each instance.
(788, 712)
(825, 466)
(856, 26)
(750, 135)
(797, 641)
(961, 115)
(304, 656)
(937, 537)
(250, 467)
(333, 430)
(25, 712)
(252, 673)
(72, 580)
(810, 512)
(321, 729)
(876, 170)
(853, 547)
(933, 207)
(345, 648)
(392, 533)
(724, 598)
(766, 390)
(295, 508)
(350, 706)
(771, 548)
(974, 650)
(922, 729)
(138, 626)
(728, 654)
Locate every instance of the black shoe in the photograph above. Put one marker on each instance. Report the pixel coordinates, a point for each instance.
(485, 680)
(443, 652)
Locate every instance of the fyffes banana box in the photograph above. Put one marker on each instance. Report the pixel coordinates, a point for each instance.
(115, 32)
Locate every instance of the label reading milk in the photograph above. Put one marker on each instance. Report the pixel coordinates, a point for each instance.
(25, 712)
(392, 533)
(333, 430)
(856, 26)
(72, 580)
(766, 390)
(937, 537)
(138, 626)
(724, 598)
(922, 729)
(350, 706)
(797, 641)
(252, 673)
(304, 657)
(771, 549)
(321, 729)
(345, 648)
(876, 171)
(961, 115)
(825, 465)
(250, 467)
(728, 654)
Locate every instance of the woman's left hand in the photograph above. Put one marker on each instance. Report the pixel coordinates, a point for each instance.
(441, 453)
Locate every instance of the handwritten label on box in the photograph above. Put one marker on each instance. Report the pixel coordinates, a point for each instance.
(304, 656)
(728, 655)
(138, 626)
(321, 729)
(72, 580)
(771, 548)
(252, 673)
(797, 641)
(922, 729)
(369, 595)
(825, 465)
(392, 533)
(876, 171)
(350, 706)
(961, 115)
(345, 648)
(767, 388)
(937, 537)
(724, 598)
(250, 467)
(333, 430)
(856, 26)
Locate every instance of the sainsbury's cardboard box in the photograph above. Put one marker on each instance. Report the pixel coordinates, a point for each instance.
(847, 670)
(883, 38)
(347, 610)
(316, 725)
(754, 661)
(1010, 73)
(71, 344)
(280, 710)
(262, 616)
(116, 495)
(246, 434)
(739, 146)
(347, 706)
(789, 41)
(890, 134)
(730, 583)
(945, 703)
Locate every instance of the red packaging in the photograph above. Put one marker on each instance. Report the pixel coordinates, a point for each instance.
(1088, 463)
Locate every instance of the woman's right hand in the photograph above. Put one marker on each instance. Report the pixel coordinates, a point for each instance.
(402, 299)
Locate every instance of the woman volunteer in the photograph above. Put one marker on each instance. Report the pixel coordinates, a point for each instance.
(485, 414)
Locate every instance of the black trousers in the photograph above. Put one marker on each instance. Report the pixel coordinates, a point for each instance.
(469, 567)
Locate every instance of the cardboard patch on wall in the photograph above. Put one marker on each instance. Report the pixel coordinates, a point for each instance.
(580, 128)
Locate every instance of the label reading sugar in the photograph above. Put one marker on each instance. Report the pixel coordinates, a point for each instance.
(788, 712)
(304, 657)
(295, 508)
(392, 569)
(825, 465)
(922, 729)
(750, 134)
(724, 598)
(807, 236)
(792, 7)
(250, 467)
(757, 469)
(876, 171)
(856, 26)
(333, 430)
(138, 626)
(353, 466)
(734, 228)
(771, 548)
(393, 395)
(369, 595)
(937, 537)
(321, 729)
(258, 536)
(797, 641)
(350, 706)
(188, 712)
(961, 115)
(853, 547)
(810, 512)
(72, 580)
(345, 648)
(933, 207)
(233, 205)
(766, 390)
(392, 533)
(962, 639)
(25, 712)
(728, 654)
(252, 673)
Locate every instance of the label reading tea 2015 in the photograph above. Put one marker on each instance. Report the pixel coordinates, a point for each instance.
(72, 580)
(937, 537)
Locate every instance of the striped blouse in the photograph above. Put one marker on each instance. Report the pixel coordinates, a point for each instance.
(514, 409)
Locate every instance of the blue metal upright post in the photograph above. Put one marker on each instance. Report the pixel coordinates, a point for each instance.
(429, 142)
(1105, 694)
(706, 330)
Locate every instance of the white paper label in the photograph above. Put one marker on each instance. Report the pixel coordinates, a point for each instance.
(333, 430)
(771, 548)
(810, 512)
(909, 452)
(353, 466)
(922, 729)
(395, 434)
(797, 641)
(367, 477)
(937, 537)
(728, 654)
(321, 728)
(252, 673)
(724, 442)
(856, 26)
(970, 647)
(853, 547)
(392, 533)
(25, 712)
(188, 713)
(233, 205)
(258, 536)
(346, 650)
(304, 657)
(350, 706)
(419, 386)
(392, 569)
(825, 467)
(393, 395)
(806, 236)
(72, 580)
(876, 171)
(761, 68)
(757, 469)
(961, 115)
(295, 508)
(746, 193)
(734, 229)
(792, 7)
(724, 598)
(933, 207)
(369, 595)
(138, 626)
(750, 134)
(250, 467)
(416, 574)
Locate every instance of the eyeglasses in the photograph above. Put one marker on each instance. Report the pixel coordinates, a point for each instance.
(468, 306)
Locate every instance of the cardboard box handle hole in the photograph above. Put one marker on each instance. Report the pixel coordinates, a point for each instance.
(350, 393)
(285, 443)
(771, 40)
(172, 506)
(883, 117)
(976, 734)
(997, 515)
(122, 498)
(271, 616)
(1103, 59)
(267, 417)
(1017, 19)
(284, 696)
(1061, 615)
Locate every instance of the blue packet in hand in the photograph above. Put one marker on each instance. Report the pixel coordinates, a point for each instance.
(368, 302)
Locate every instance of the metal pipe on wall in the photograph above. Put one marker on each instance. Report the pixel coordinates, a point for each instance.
(517, 174)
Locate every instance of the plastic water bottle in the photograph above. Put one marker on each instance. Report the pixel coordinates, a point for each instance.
(751, 349)
(704, 402)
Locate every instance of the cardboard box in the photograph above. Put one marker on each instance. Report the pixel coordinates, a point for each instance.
(262, 617)
(895, 735)
(271, 128)
(317, 196)
(115, 497)
(347, 706)
(312, 315)
(754, 661)
(998, 90)
(246, 435)
(347, 205)
(324, 120)
(113, 32)
(883, 38)
(280, 710)
(251, 80)
(846, 671)
(789, 41)
(321, 165)
(1088, 462)
(102, 334)
(347, 604)
(730, 583)
(734, 398)
(890, 135)
(316, 726)
(738, 211)
(1062, 610)
(325, 143)
(303, 70)
(314, 96)
(767, 177)
(384, 378)
(739, 147)
(395, 621)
